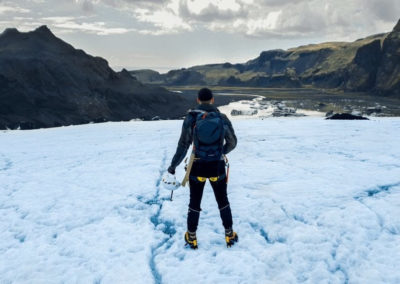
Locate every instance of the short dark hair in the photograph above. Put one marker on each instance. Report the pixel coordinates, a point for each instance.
(204, 95)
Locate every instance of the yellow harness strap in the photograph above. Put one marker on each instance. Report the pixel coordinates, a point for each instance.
(203, 179)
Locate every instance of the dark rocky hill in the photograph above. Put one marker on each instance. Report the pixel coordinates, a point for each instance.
(388, 73)
(371, 65)
(45, 82)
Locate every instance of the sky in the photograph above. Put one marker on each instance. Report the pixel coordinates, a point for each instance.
(171, 34)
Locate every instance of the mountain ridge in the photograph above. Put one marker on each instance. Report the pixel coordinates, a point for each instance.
(364, 65)
(46, 82)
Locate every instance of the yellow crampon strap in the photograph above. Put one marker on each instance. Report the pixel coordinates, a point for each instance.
(192, 243)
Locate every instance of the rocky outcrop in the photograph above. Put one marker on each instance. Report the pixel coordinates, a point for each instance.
(184, 77)
(45, 82)
(361, 73)
(274, 81)
(388, 75)
(269, 62)
(346, 116)
(147, 75)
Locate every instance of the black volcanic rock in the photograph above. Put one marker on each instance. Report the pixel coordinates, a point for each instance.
(146, 75)
(388, 75)
(397, 27)
(362, 71)
(346, 116)
(45, 82)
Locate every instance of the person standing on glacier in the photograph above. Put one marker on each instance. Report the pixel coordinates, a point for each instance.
(213, 137)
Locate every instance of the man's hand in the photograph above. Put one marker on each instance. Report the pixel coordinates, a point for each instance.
(171, 170)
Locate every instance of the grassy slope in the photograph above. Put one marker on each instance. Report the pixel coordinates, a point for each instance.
(340, 55)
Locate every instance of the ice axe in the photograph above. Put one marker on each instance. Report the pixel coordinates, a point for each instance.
(175, 184)
(169, 182)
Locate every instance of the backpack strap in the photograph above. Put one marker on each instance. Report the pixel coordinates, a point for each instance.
(194, 113)
(197, 113)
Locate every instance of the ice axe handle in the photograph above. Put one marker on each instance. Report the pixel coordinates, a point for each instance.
(189, 168)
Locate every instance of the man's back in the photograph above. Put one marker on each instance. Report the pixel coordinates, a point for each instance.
(186, 137)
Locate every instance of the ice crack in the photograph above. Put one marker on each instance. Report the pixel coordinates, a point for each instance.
(6, 165)
(372, 192)
(375, 192)
(337, 267)
(164, 226)
(264, 234)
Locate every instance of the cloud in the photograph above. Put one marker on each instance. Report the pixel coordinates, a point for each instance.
(70, 24)
(164, 21)
(12, 9)
(334, 19)
(387, 10)
(206, 12)
(258, 18)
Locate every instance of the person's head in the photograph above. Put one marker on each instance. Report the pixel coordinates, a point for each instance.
(205, 96)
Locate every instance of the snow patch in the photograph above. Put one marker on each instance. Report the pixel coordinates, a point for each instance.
(312, 200)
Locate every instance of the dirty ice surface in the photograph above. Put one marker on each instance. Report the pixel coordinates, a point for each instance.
(313, 201)
(259, 107)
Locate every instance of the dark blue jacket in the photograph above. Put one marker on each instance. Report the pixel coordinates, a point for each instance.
(186, 138)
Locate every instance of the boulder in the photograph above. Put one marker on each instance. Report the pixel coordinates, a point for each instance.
(346, 116)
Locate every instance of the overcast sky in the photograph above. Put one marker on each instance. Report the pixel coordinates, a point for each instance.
(167, 34)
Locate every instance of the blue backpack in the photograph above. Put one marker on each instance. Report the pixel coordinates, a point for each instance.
(208, 136)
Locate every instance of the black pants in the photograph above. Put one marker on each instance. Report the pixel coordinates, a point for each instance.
(196, 193)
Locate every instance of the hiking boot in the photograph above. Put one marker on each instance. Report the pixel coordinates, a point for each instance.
(191, 240)
(230, 237)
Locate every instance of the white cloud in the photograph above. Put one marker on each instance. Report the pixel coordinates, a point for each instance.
(98, 28)
(64, 26)
(283, 18)
(58, 20)
(255, 18)
(252, 27)
(164, 21)
(198, 6)
(263, 24)
(12, 9)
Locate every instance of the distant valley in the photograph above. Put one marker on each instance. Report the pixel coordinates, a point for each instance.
(369, 65)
